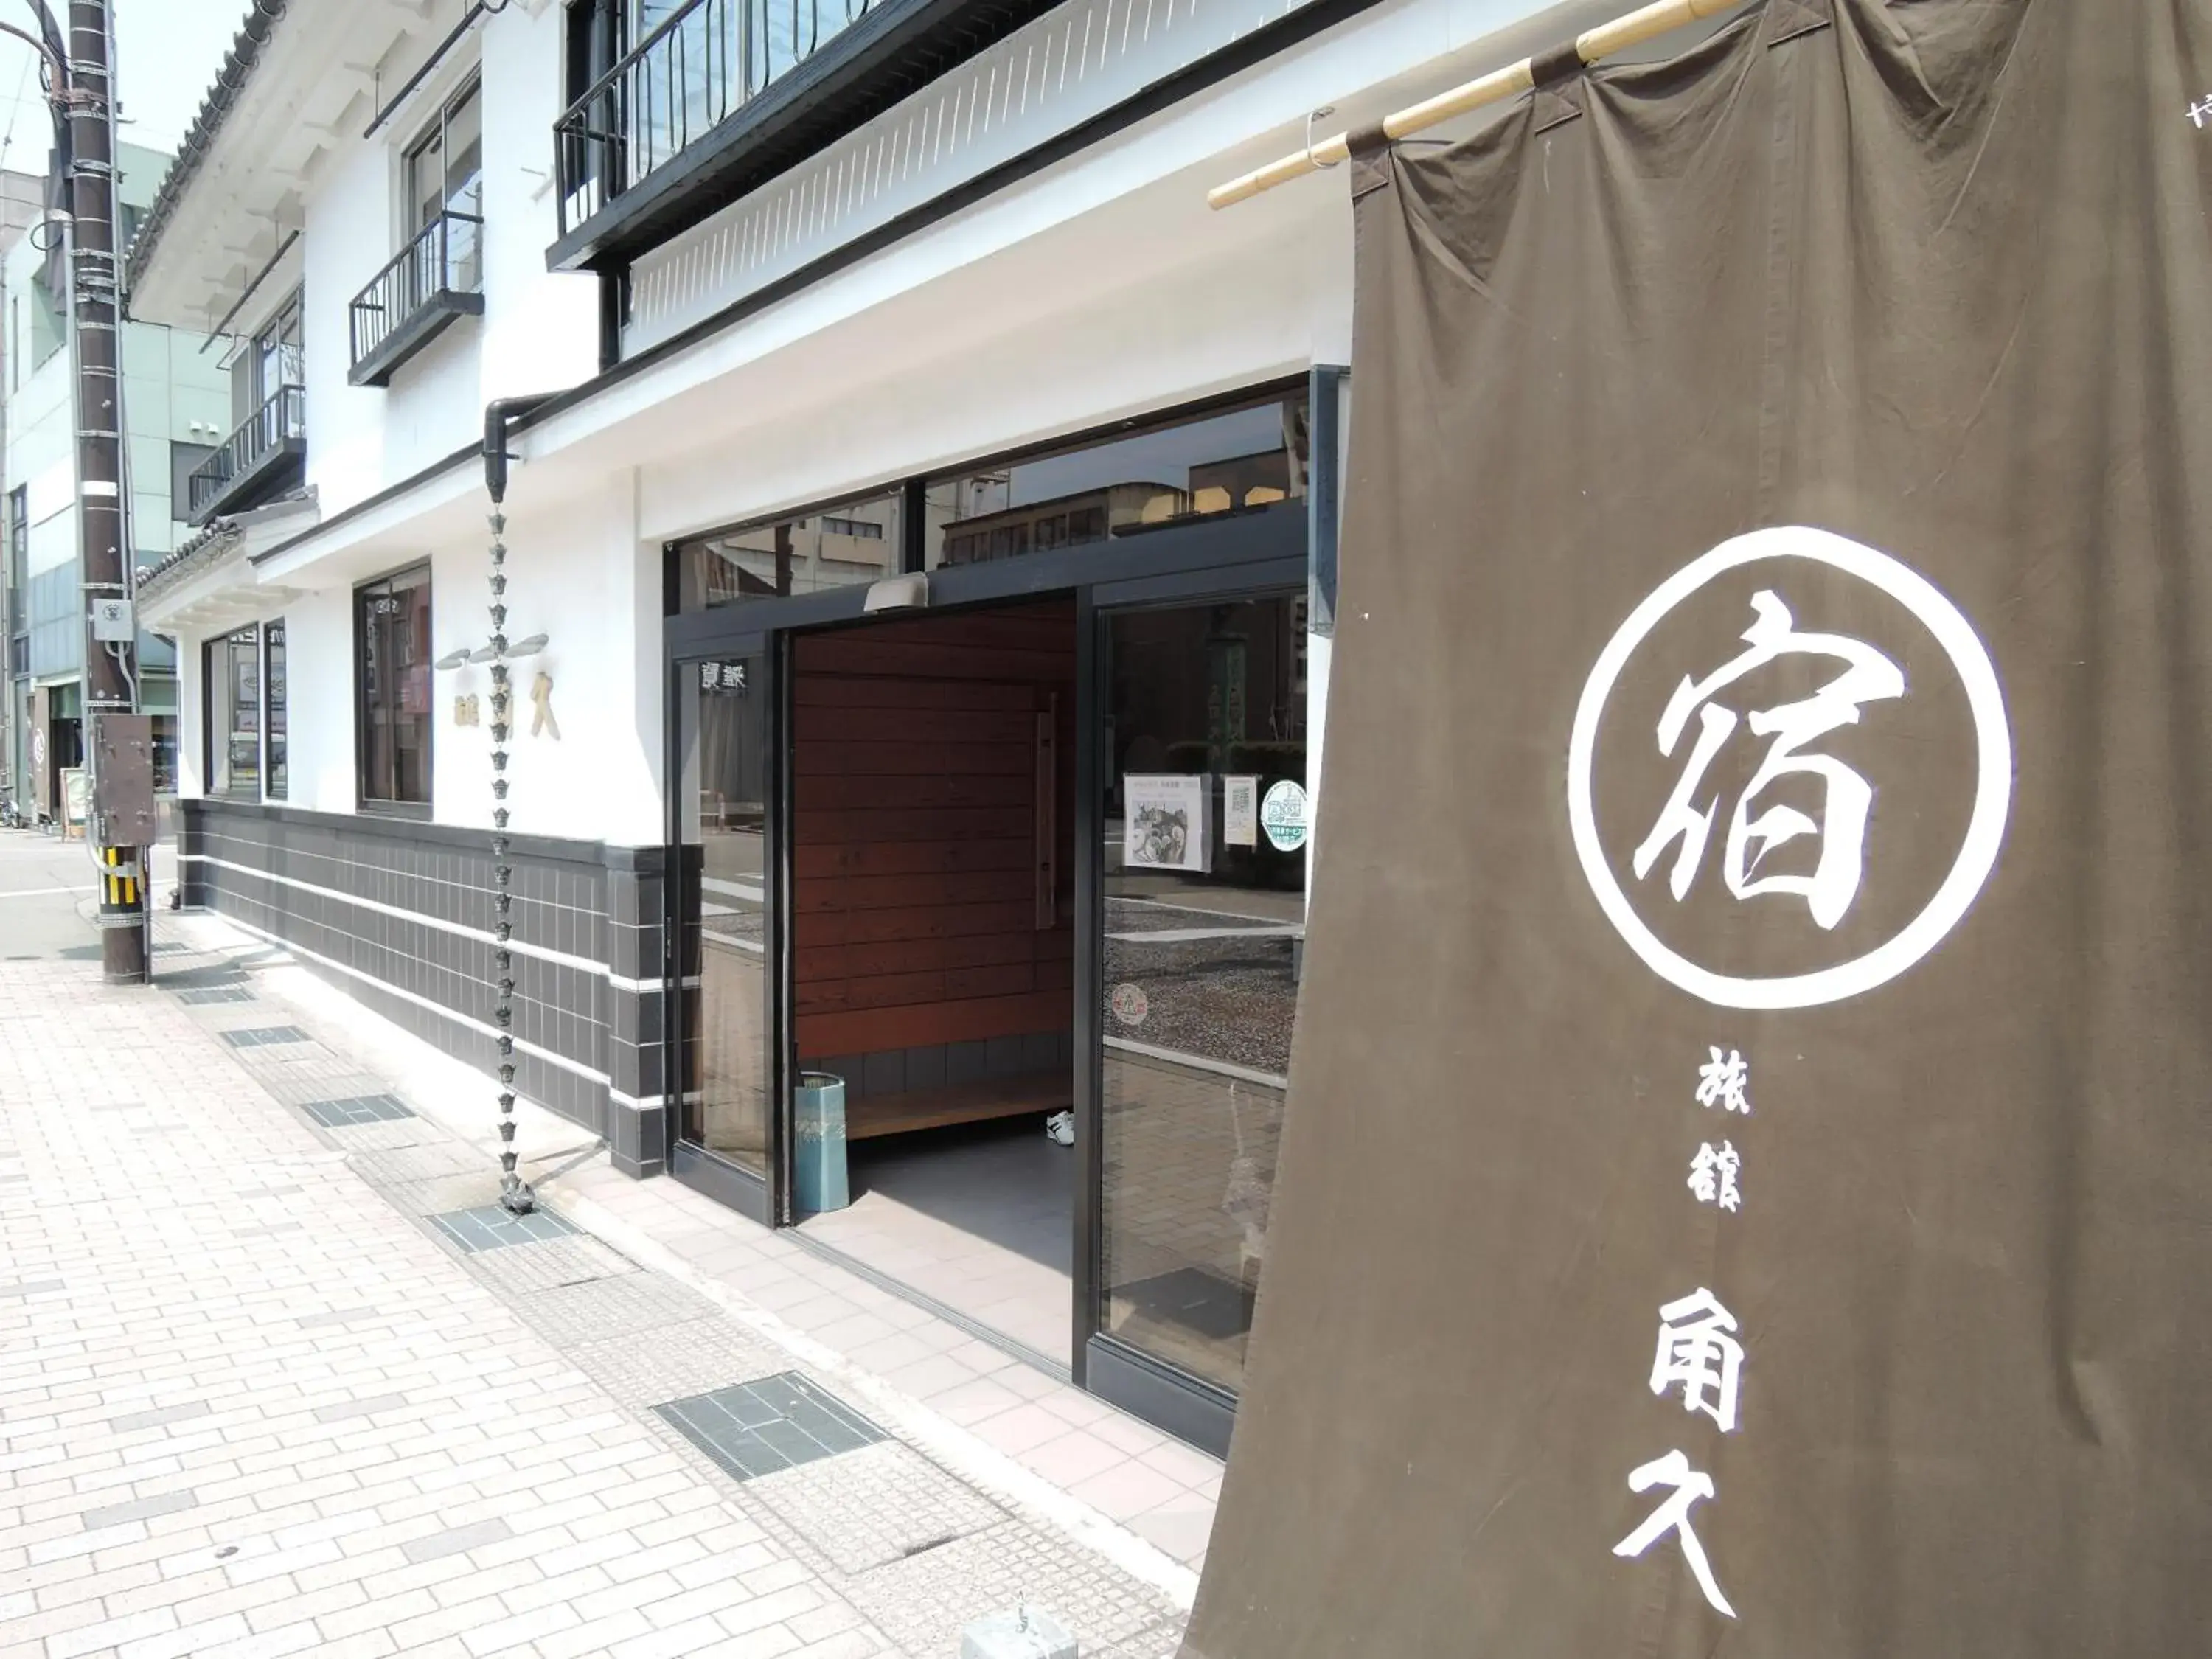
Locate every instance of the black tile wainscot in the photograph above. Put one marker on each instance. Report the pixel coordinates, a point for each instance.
(400, 913)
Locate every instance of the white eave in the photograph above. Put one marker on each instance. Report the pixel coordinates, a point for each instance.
(310, 92)
(216, 587)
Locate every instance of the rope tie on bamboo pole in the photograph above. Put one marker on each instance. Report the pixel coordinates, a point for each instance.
(1558, 65)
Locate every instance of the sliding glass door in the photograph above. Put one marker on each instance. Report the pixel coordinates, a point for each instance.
(1201, 771)
(725, 943)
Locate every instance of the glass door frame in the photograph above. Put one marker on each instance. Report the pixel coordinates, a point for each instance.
(1187, 1406)
(1234, 557)
(765, 1199)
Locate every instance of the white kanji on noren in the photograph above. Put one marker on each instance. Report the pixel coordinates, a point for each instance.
(1698, 1352)
(1846, 799)
(1724, 1081)
(1673, 1516)
(1713, 1175)
(2201, 113)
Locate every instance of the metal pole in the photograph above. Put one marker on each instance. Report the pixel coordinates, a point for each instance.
(109, 666)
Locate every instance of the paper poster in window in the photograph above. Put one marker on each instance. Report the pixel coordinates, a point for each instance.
(1239, 812)
(1165, 825)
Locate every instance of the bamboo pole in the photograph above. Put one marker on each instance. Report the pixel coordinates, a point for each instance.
(1605, 40)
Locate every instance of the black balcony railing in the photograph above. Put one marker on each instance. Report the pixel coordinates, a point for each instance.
(680, 83)
(437, 276)
(230, 477)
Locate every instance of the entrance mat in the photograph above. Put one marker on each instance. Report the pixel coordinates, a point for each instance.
(257, 1036)
(214, 994)
(357, 1109)
(490, 1228)
(778, 1423)
(1193, 1298)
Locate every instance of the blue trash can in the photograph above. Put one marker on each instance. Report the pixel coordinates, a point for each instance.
(817, 1163)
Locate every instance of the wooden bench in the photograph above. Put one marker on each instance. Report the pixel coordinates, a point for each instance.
(1034, 1094)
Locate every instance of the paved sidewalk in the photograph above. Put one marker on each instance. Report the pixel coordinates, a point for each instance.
(270, 1384)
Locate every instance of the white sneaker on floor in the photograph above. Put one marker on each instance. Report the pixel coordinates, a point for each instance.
(1061, 1128)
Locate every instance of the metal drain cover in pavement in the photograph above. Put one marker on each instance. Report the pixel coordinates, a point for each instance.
(777, 1423)
(490, 1227)
(214, 994)
(357, 1109)
(256, 1036)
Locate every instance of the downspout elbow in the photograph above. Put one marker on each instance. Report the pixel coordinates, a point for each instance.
(498, 413)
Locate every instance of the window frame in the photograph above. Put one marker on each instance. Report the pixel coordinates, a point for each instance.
(383, 586)
(18, 532)
(186, 457)
(436, 132)
(276, 701)
(914, 520)
(216, 709)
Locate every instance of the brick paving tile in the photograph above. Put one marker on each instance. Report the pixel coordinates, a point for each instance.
(254, 1405)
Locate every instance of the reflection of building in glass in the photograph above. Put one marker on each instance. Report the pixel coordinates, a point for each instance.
(1070, 521)
(980, 523)
(857, 543)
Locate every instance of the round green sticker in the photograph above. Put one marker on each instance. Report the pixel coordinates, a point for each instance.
(1282, 816)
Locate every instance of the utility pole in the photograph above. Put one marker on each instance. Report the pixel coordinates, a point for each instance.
(111, 642)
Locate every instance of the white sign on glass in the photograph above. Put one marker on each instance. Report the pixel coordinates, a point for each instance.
(1239, 812)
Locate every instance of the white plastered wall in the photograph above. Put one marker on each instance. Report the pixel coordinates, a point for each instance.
(539, 330)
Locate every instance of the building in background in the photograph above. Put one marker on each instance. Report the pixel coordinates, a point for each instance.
(175, 408)
(22, 202)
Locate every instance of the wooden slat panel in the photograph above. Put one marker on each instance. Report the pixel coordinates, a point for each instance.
(912, 724)
(1002, 979)
(902, 892)
(1037, 1094)
(812, 963)
(893, 858)
(898, 759)
(867, 1030)
(859, 826)
(907, 792)
(921, 922)
(916, 909)
(881, 991)
(849, 653)
(870, 691)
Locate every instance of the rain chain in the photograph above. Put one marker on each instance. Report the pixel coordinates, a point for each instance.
(514, 1194)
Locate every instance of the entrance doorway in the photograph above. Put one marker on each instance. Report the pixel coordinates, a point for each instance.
(932, 939)
(1036, 844)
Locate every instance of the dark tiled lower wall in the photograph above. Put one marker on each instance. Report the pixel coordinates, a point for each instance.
(400, 913)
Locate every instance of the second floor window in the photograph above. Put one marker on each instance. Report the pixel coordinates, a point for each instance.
(272, 359)
(445, 177)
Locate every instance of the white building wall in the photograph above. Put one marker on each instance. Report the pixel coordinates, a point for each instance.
(1098, 290)
(539, 330)
(568, 580)
(348, 236)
